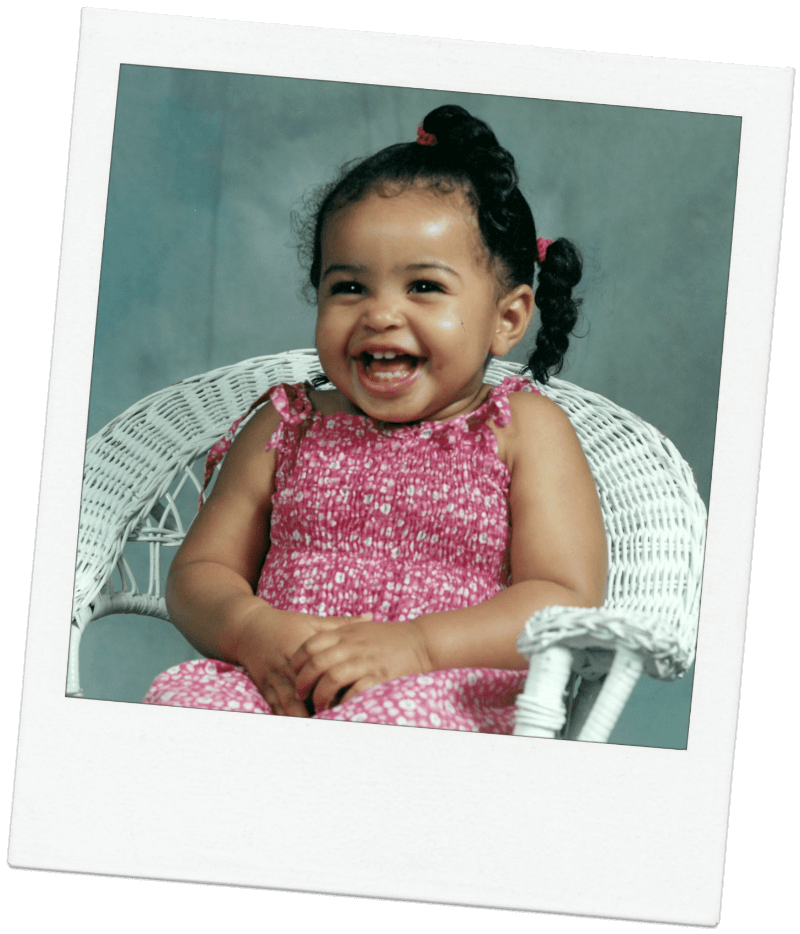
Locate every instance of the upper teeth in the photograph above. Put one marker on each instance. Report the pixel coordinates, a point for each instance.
(388, 355)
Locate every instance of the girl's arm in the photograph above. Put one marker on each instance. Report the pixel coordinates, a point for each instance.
(558, 557)
(558, 543)
(210, 588)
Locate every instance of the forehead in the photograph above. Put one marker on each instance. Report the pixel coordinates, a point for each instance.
(410, 213)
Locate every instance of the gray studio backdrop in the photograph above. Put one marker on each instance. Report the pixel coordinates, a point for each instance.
(200, 268)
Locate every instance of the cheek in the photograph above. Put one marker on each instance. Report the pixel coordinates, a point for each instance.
(463, 325)
(326, 324)
(450, 326)
(448, 323)
(325, 337)
(332, 335)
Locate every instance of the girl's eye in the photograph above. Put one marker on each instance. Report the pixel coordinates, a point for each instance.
(425, 285)
(347, 288)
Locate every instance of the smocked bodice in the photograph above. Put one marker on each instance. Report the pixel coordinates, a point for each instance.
(396, 521)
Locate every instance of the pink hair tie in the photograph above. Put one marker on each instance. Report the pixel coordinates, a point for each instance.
(541, 248)
(425, 139)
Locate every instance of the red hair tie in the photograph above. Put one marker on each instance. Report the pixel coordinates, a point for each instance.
(541, 248)
(425, 139)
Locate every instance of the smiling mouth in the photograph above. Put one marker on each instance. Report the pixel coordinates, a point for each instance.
(388, 366)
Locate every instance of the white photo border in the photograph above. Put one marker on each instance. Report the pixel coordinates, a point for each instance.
(173, 794)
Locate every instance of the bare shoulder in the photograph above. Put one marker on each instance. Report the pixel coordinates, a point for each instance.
(537, 426)
(534, 408)
(248, 467)
(253, 437)
(259, 428)
(232, 527)
(557, 522)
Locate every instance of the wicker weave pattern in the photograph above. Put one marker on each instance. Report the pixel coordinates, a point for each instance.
(147, 455)
(138, 465)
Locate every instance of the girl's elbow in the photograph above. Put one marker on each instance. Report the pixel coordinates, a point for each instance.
(592, 597)
(592, 592)
(586, 588)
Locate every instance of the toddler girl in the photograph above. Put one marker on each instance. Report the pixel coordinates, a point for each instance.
(371, 550)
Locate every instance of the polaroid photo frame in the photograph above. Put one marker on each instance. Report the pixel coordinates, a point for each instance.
(174, 794)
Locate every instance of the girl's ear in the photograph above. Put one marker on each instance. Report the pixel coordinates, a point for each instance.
(514, 312)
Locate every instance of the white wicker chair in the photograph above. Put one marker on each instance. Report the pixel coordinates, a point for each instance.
(138, 466)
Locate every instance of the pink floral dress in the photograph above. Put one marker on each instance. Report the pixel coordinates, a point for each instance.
(395, 521)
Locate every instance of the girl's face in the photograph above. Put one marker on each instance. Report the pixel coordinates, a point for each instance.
(408, 306)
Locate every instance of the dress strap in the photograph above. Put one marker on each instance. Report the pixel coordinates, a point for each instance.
(291, 403)
(497, 407)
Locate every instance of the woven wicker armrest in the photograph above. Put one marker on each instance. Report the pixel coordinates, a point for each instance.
(604, 643)
(665, 656)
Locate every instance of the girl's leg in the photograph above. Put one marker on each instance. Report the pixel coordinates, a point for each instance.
(476, 700)
(209, 684)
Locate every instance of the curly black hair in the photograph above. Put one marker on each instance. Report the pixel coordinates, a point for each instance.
(467, 157)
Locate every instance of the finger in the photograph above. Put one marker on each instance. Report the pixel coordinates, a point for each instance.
(297, 708)
(361, 685)
(326, 624)
(279, 692)
(311, 648)
(335, 659)
(335, 681)
(271, 698)
(318, 665)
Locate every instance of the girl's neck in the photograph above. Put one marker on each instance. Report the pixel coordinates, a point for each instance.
(334, 402)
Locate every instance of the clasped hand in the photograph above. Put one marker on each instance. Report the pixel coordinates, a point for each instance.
(337, 663)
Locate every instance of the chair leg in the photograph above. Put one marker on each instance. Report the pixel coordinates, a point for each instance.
(619, 683)
(540, 707)
(588, 692)
(76, 628)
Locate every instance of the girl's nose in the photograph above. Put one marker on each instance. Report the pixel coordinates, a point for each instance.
(381, 314)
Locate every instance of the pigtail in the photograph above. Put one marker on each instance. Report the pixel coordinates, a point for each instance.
(559, 273)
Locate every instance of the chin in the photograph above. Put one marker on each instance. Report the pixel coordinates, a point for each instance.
(396, 414)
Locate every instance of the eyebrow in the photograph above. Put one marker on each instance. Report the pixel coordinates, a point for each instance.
(342, 267)
(359, 267)
(441, 266)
